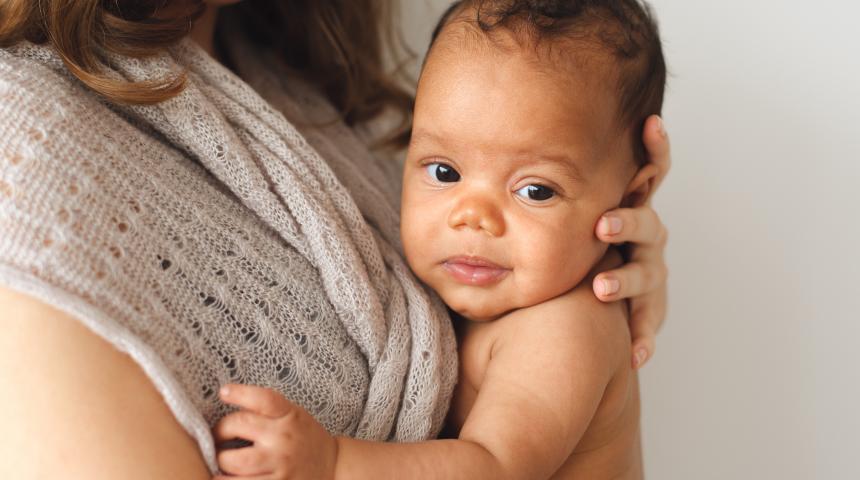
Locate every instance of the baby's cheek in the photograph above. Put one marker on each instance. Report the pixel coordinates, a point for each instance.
(412, 249)
(558, 260)
(417, 246)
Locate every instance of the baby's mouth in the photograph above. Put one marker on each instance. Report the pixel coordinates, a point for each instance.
(472, 270)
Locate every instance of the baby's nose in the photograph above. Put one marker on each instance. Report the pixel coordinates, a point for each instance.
(478, 214)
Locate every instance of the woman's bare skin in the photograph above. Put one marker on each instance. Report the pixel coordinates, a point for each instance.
(75, 407)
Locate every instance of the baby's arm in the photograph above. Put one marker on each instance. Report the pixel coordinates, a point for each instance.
(544, 381)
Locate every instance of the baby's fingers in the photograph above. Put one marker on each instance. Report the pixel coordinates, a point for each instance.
(264, 401)
(248, 461)
(242, 424)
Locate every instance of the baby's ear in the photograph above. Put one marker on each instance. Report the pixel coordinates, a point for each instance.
(638, 191)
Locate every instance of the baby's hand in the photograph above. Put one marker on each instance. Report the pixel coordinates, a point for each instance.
(288, 443)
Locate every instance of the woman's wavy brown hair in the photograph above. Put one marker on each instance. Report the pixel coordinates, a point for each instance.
(335, 44)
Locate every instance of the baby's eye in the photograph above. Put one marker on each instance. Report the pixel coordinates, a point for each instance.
(538, 193)
(442, 173)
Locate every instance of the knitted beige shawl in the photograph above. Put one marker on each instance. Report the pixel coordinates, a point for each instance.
(215, 241)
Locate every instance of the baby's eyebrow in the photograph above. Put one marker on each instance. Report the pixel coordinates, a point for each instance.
(425, 136)
(566, 162)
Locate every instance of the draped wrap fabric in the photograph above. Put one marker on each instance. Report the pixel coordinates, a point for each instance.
(235, 233)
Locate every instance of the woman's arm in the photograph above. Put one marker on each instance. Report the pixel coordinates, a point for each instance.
(74, 407)
(643, 279)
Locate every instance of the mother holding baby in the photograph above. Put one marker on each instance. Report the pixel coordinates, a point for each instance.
(195, 193)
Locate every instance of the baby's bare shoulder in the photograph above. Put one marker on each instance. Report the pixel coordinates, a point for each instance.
(551, 364)
(571, 321)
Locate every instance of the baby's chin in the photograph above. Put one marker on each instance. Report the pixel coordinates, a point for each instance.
(483, 310)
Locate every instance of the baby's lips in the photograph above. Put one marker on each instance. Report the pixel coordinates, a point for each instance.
(474, 270)
(475, 261)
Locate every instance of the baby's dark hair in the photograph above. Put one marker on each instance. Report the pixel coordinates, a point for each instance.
(624, 29)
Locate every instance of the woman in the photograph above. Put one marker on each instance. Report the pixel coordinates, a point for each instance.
(170, 225)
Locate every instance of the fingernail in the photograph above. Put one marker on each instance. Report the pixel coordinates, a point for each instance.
(661, 127)
(641, 355)
(225, 391)
(611, 225)
(610, 286)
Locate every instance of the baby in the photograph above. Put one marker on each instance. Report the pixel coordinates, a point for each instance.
(527, 128)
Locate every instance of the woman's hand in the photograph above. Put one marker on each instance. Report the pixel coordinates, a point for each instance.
(643, 279)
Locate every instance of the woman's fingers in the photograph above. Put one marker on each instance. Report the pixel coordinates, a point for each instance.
(244, 461)
(264, 401)
(643, 349)
(656, 141)
(647, 296)
(645, 320)
(643, 280)
(629, 281)
(637, 225)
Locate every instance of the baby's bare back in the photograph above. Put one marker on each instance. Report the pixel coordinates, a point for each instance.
(610, 446)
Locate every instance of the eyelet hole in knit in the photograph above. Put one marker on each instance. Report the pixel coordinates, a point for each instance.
(36, 135)
(163, 262)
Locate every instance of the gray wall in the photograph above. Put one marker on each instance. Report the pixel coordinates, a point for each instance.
(755, 375)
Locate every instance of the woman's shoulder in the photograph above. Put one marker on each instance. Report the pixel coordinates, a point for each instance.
(58, 153)
(45, 113)
(34, 76)
(44, 351)
(65, 150)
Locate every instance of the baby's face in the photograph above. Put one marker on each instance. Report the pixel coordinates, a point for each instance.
(509, 169)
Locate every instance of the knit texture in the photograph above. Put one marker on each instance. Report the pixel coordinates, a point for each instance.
(236, 233)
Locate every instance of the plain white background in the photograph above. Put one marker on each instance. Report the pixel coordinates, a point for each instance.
(756, 373)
